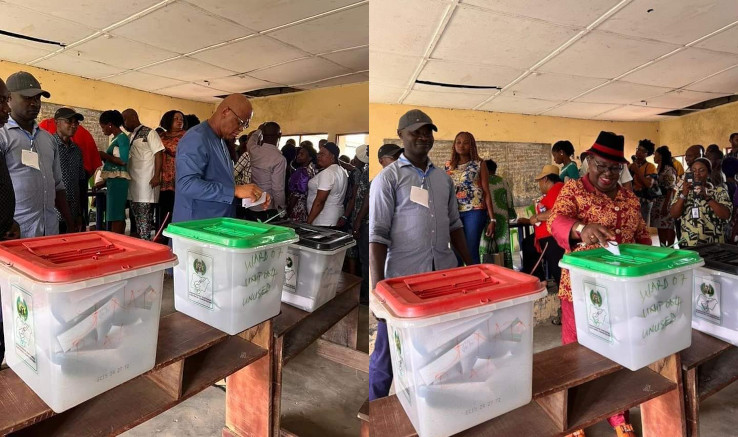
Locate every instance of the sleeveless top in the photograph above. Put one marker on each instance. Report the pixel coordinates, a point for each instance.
(466, 178)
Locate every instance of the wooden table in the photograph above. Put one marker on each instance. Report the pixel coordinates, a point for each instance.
(293, 331)
(709, 365)
(573, 387)
(190, 357)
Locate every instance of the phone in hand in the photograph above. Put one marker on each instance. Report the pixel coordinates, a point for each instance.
(689, 177)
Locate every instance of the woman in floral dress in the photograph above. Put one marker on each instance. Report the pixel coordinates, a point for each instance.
(502, 201)
(297, 187)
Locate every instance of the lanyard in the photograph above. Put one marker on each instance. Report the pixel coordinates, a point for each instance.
(423, 174)
(31, 138)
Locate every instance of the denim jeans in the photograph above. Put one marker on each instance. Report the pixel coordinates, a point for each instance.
(474, 223)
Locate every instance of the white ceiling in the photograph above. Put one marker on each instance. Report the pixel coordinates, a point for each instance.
(593, 59)
(194, 49)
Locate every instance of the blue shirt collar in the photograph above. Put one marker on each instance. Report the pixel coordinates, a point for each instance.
(12, 124)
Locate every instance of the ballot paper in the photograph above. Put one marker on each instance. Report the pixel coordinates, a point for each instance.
(248, 203)
(100, 321)
(436, 370)
(612, 247)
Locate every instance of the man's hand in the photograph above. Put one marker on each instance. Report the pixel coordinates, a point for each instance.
(155, 181)
(248, 191)
(13, 233)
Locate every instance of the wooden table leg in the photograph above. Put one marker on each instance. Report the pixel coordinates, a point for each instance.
(249, 392)
(664, 415)
(693, 402)
(345, 332)
(277, 386)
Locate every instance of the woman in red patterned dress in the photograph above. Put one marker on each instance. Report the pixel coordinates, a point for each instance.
(588, 213)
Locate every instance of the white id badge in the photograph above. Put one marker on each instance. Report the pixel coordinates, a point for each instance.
(419, 196)
(30, 159)
(695, 213)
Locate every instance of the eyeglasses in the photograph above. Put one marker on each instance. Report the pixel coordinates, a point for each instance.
(70, 120)
(242, 124)
(602, 168)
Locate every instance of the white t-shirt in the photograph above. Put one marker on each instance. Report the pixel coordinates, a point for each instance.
(335, 180)
(625, 175)
(141, 166)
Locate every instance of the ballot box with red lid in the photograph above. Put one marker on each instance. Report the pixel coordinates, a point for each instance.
(461, 342)
(81, 311)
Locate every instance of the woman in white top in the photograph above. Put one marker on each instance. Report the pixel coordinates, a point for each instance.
(327, 189)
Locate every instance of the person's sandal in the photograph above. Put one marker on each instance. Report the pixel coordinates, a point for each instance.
(577, 433)
(625, 430)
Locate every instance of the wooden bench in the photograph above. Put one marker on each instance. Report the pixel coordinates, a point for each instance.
(334, 326)
(709, 365)
(573, 387)
(190, 357)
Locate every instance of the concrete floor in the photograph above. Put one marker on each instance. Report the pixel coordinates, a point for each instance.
(320, 398)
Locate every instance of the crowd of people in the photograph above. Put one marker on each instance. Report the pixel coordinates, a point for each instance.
(424, 218)
(181, 170)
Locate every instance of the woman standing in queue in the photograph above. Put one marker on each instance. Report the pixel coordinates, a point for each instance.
(470, 178)
(115, 170)
(588, 213)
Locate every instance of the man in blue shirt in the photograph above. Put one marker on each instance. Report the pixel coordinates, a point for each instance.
(204, 170)
(413, 217)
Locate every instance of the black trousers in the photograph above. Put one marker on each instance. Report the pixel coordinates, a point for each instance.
(552, 256)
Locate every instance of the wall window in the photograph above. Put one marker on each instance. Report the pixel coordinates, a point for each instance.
(349, 142)
(314, 138)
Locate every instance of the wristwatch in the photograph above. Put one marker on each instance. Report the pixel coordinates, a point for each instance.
(682, 196)
(579, 228)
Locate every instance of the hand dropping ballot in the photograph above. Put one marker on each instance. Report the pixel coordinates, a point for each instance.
(248, 203)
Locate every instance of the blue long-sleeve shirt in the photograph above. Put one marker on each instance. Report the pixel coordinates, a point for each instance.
(204, 187)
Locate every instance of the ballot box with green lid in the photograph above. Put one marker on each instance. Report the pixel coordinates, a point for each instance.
(81, 312)
(633, 308)
(461, 343)
(314, 265)
(231, 271)
(715, 292)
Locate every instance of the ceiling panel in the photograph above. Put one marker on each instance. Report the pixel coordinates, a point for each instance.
(408, 35)
(341, 80)
(633, 113)
(725, 82)
(267, 14)
(725, 41)
(182, 28)
(551, 86)
(518, 105)
(193, 91)
(390, 69)
(497, 39)
(580, 110)
(622, 92)
(239, 84)
(250, 54)
(188, 70)
(143, 81)
(12, 50)
(468, 74)
(78, 66)
(678, 22)
(569, 12)
(673, 71)
(443, 100)
(121, 52)
(355, 59)
(28, 22)
(383, 93)
(97, 14)
(341, 30)
(304, 70)
(681, 99)
(605, 55)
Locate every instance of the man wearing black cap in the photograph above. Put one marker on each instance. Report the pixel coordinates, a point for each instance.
(72, 166)
(413, 218)
(33, 161)
(388, 154)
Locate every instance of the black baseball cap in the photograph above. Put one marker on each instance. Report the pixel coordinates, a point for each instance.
(67, 113)
(414, 119)
(388, 150)
(25, 84)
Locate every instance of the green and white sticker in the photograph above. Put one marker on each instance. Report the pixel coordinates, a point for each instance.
(707, 297)
(290, 270)
(24, 334)
(598, 311)
(200, 279)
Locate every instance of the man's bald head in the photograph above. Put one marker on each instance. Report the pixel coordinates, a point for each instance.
(692, 153)
(130, 119)
(232, 116)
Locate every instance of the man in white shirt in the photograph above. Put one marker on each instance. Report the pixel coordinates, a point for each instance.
(144, 166)
(268, 167)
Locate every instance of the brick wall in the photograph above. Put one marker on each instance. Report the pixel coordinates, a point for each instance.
(518, 163)
(90, 122)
